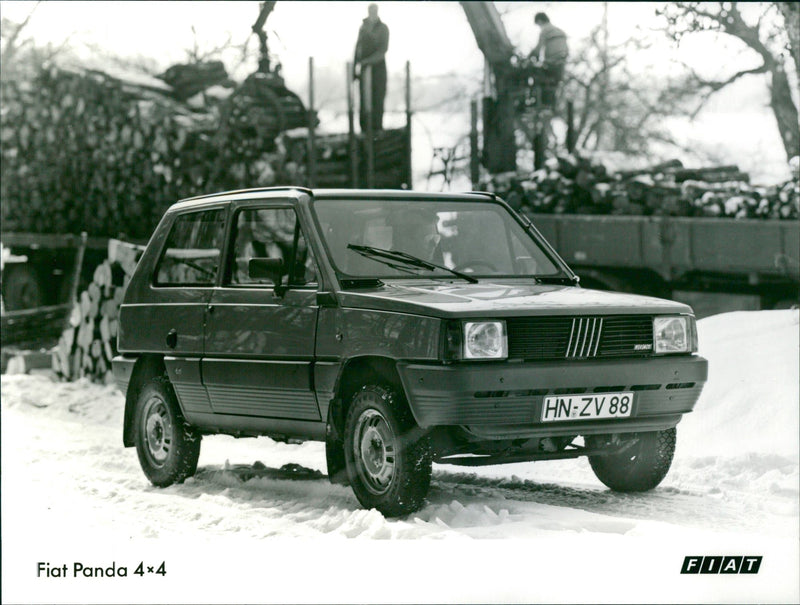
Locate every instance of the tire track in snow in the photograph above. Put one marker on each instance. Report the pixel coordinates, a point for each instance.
(666, 504)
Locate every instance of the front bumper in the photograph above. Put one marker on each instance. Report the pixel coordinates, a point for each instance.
(501, 400)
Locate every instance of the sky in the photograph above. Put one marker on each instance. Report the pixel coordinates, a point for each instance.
(433, 36)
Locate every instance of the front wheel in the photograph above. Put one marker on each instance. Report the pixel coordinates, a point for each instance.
(640, 467)
(388, 459)
(167, 447)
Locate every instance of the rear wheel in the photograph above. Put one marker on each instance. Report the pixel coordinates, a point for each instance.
(168, 448)
(639, 467)
(387, 457)
(21, 288)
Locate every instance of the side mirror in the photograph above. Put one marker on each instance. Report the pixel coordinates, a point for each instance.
(266, 268)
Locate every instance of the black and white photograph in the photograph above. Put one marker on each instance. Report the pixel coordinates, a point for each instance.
(400, 302)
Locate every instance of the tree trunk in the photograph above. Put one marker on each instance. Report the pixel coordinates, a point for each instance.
(791, 17)
(499, 144)
(785, 111)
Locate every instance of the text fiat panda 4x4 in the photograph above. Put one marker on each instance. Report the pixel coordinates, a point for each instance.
(401, 329)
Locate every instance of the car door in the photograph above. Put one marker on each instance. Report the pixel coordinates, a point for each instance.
(183, 280)
(260, 331)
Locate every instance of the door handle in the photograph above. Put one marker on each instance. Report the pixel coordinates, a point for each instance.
(172, 338)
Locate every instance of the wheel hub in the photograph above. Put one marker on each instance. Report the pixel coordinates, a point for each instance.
(157, 431)
(375, 451)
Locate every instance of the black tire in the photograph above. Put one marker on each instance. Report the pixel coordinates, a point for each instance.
(640, 467)
(167, 446)
(21, 288)
(388, 457)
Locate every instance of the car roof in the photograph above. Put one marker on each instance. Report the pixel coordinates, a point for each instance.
(321, 194)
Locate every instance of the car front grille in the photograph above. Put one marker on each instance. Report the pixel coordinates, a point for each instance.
(585, 337)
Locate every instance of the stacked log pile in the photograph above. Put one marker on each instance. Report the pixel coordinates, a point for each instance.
(81, 150)
(87, 346)
(333, 158)
(575, 185)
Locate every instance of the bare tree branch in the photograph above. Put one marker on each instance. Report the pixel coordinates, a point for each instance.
(687, 17)
(9, 49)
(714, 86)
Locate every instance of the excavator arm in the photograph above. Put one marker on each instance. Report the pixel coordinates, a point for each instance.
(490, 34)
(260, 31)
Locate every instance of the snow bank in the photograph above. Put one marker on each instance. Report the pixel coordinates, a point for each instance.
(751, 401)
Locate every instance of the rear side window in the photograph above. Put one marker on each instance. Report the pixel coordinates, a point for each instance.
(192, 253)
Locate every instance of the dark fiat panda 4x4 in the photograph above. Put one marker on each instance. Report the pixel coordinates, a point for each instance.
(401, 329)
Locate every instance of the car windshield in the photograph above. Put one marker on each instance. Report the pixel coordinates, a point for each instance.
(477, 238)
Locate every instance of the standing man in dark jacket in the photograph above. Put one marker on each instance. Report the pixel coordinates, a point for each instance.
(373, 41)
(549, 58)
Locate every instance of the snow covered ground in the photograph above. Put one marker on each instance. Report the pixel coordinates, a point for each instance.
(261, 523)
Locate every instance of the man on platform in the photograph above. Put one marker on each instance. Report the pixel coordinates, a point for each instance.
(549, 58)
(373, 42)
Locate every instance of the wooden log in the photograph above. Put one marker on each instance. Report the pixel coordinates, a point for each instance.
(57, 367)
(63, 363)
(86, 334)
(105, 330)
(68, 339)
(94, 293)
(119, 294)
(75, 370)
(85, 304)
(108, 309)
(99, 278)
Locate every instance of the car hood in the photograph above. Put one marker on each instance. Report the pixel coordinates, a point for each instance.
(502, 300)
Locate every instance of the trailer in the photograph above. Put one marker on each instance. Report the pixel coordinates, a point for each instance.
(47, 276)
(713, 264)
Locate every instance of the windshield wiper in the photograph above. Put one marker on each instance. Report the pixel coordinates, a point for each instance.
(387, 256)
(553, 279)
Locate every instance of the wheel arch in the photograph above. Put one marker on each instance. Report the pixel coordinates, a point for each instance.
(146, 367)
(354, 373)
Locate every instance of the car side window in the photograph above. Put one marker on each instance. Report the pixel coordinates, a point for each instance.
(274, 234)
(192, 252)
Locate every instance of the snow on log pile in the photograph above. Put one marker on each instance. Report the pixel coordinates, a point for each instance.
(577, 185)
(87, 346)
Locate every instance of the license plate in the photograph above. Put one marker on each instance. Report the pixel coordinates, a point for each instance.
(587, 407)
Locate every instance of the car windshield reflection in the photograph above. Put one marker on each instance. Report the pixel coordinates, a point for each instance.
(477, 239)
